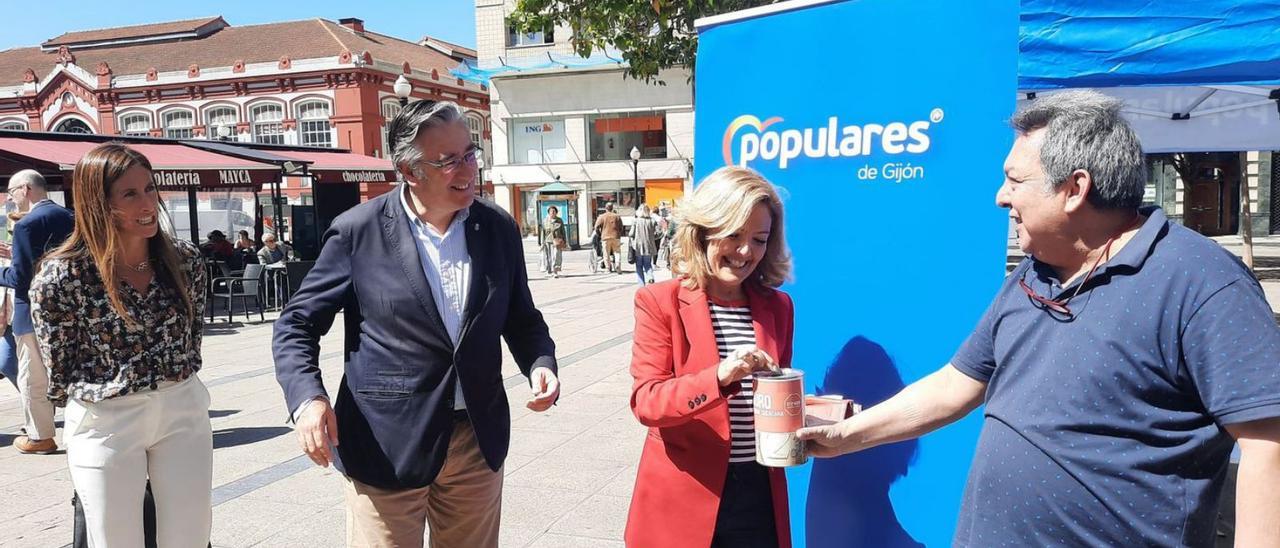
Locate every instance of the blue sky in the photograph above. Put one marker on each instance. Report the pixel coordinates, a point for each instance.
(32, 22)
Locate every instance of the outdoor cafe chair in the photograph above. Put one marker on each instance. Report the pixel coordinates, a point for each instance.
(244, 287)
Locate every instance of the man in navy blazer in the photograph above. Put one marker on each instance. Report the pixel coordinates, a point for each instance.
(428, 279)
(44, 227)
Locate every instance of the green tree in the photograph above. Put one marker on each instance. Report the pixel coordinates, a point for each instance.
(651, 34)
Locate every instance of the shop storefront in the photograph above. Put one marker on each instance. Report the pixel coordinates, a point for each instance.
(201, 190)
(333, 180)
(209, 185)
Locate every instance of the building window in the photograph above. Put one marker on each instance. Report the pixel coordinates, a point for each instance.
(72, 125)
(538, 141)
(12, 125)
(135, 125)
(313, 120)
(612, 136)
(476, 127)
(268, 124)
(622, 194)
(517, 39)
(178, 124)
(389, 111)
(218, 117)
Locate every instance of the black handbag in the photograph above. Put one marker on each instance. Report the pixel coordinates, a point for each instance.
(631, 255)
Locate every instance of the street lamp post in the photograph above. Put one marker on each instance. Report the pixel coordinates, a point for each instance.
(479, 175)
(402, 88)
(224, 132)
(635, 176)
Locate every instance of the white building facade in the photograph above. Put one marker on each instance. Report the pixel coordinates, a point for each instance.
(576, 124)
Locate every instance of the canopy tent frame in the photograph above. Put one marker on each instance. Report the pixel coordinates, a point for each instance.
(1138, 50)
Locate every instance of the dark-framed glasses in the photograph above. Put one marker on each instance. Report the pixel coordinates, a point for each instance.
(449, 166)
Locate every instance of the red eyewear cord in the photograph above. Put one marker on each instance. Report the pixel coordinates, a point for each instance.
(1060, 305)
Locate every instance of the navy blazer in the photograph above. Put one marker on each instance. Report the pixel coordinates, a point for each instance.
(43, 229)
(395, 402)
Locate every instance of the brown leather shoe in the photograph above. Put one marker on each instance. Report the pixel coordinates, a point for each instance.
(26, 445)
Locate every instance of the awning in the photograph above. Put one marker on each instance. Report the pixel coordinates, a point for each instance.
(174, 166)
(555, 188)
(1091, 44)
(1196, 118)
(1193, 76)
(342, 167)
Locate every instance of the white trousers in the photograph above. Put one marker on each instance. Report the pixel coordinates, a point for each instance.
(33, 385)
(113, 446)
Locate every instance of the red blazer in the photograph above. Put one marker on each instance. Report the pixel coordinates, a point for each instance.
(677, 395)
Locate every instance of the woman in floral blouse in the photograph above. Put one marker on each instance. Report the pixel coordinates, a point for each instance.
(117, 311)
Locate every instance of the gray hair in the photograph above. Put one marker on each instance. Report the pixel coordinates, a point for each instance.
(1084, 130)
(608, 206)
(28, 177)
(413, 118)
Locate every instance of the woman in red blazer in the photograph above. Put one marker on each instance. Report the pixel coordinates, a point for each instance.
(697, 338)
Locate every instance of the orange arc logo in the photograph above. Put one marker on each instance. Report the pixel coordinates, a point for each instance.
(738, 123)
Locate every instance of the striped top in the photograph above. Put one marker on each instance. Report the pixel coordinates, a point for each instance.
(733, 329)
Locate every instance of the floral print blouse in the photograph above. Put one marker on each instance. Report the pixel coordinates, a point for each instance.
(91, 353)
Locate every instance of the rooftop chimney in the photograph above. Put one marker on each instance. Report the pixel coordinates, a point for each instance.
(356, 25)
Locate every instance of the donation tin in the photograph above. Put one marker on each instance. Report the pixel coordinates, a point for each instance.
(779, 413)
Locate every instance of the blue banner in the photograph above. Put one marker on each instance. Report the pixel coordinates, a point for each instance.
(1086, 43)
(885, 126)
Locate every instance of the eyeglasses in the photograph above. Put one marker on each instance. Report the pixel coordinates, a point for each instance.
(1060, 305)
(449, 166)
(1054, 305)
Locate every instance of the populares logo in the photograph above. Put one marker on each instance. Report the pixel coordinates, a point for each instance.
(758, 142)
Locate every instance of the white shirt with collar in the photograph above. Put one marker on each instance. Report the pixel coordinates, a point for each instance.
(447, 265)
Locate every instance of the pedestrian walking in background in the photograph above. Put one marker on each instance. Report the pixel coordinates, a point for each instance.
(118, 312)
(8, 345)
(666, 231)
(610, 226)
(553, 242)
(644, 243)
(45, 225)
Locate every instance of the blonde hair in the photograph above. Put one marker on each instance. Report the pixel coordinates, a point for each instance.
(719, 207)
(642, 211)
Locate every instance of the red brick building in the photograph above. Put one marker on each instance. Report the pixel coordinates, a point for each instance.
(312, 82)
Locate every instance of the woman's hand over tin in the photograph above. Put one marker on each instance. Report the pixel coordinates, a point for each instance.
(742, 362)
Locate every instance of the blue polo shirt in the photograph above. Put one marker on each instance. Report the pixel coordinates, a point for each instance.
(1107, 429)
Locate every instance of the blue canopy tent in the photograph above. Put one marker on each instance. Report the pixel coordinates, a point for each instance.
(1194, 77)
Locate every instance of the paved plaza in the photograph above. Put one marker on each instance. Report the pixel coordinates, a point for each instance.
(568, 477)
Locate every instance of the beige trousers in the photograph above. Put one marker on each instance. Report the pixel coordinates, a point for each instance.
(113, 446)
(611, 246)
(33, 385)
(462, 506)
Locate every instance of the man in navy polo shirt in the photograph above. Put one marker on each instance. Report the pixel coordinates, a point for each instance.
(1120, 362)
